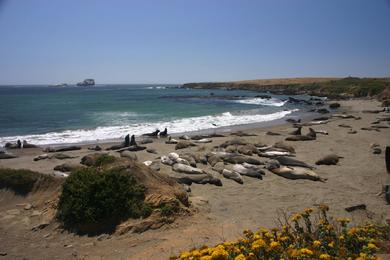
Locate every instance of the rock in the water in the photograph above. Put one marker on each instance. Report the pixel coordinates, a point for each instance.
(331, 159)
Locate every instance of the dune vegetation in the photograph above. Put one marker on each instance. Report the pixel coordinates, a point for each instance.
(311, 234)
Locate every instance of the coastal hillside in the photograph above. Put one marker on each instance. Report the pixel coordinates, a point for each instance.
(330, 87)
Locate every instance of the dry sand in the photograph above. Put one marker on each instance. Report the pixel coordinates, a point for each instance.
(222, 213)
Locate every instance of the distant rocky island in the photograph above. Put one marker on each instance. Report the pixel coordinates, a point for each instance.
(86, 82)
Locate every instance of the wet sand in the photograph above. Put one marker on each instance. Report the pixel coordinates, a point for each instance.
(222, 213)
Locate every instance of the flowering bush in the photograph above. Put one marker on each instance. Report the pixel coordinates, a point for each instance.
(303, 236)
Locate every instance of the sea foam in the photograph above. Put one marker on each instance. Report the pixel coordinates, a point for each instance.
(174, 126)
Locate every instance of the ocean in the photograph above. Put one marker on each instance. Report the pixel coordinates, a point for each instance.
(54, 115)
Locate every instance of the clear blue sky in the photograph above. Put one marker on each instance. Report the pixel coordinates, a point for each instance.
(177, 41)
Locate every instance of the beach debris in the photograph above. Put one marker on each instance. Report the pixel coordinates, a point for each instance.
(331, 159)
(370, 129)
(232, 175)
(171, 140)
(95, 148)
(204, 178)
(376, 149)
(352, 132)
(183, 144)
(288, 161)
(356, 207)
(293, 173)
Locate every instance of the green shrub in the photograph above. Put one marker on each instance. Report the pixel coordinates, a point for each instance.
(93, 198)
(169, 209)
(20, 181)
(104, 159)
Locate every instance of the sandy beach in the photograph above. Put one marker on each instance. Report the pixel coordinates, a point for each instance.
(221, 213)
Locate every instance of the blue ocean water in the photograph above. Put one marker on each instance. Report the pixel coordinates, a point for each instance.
(50, 115)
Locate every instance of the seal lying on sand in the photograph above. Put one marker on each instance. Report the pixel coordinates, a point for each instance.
(232, 175)
(62, 149)
(248, 171)
(5, 155)
(179, 167)
(288, 161)
(331, 159)
(199, 179)
(27, 145)
(293, 173)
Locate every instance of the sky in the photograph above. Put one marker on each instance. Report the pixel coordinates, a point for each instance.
(179, 41)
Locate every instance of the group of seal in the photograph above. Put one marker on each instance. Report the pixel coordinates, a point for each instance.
(19, 145)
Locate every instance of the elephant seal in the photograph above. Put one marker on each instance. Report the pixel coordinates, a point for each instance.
(235, 141)
(95, 148)
(331, 159)
(300, 138)
(164, 133)
(232, 175)
(127, 140)
(27, 145)
(288, 161)
(4, 155)
(132, 141)
(183, 144)
(62, 156)
(272, 133)
(204, 178)
(293, 173)
(183, 168)
(250, 171)
(298, 131)
(146, 141)
(165, 160)
(171, 141)
(153, 134)
(184, 137)
(133, 148)
(203, 141)
(387, 158)
(284, 146)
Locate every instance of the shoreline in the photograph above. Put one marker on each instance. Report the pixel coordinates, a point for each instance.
(222, 213)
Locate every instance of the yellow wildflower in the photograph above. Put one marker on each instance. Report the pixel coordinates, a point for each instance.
(257, 244)
(331, 244)
(316, 243)
(308, 210)
(219, 253)
(372, 246)
(240, 257)
(325, 256)
(274, 245)
(207, 257)
(296, 217)
(185, 255)
(305, 251)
